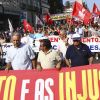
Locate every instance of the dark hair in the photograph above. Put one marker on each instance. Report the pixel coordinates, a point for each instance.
(47, 43)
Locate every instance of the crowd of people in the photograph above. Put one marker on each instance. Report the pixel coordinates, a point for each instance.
(21, 56)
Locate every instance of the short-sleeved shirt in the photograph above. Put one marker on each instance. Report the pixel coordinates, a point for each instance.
(78, 56)
(20, 58)
(49, 60)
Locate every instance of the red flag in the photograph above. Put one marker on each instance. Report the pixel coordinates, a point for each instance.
(27, 26)
(50, 22)
(95, 10)
(48, 19)
(80, 12)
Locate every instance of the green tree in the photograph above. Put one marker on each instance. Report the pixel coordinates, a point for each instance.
(67, 4)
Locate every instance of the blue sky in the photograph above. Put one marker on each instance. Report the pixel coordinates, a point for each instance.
(89, 3)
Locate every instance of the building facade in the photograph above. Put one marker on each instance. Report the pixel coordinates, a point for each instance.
(45, 6)
(17, 10)
(56, 6)
(8, 10)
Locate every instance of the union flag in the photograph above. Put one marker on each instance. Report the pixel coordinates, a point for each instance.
(27, 26)
(48, 19)
(80, 12)
(95, 10)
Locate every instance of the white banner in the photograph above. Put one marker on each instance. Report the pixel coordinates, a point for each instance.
(54, 42)
(5, 47)
(58, 44)
(93, 43)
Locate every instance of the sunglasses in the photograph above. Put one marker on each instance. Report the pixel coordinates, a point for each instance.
(76, 40)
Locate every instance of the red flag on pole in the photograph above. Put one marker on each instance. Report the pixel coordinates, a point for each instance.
(95, 10)
(27, 26)
(80, 12)
(48, 19)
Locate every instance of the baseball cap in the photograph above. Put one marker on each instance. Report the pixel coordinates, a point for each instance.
(76, 36)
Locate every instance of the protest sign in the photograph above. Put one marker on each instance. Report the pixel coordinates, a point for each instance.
(78, 83)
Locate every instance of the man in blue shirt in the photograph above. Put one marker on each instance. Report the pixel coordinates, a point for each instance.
(78, 54)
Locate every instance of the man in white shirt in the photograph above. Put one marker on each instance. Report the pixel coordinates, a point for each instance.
(20, 56)
(48, 58)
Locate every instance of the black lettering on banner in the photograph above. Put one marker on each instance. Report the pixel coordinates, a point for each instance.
(96, 47)
(33, 43)
(54, 47)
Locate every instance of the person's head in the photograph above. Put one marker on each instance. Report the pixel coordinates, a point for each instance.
(40, 30)
(16, 39)
(76, 39)
(62, 34)
(45, 45)
(52, 29)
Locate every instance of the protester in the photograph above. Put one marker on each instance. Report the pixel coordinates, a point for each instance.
(1, 54)
(78, 54)
(63, 42)
(39, 34)
(48, 58)
(63, 32)
(86, 32)
(71, 30)
(2, 38)
(79, 30)
(63, 45)
(20, 56)
(27, 38)
(53, 31)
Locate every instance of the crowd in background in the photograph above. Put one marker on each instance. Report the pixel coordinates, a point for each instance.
(62, 30)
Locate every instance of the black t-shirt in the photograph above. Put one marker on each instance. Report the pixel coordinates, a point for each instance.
(78, 56)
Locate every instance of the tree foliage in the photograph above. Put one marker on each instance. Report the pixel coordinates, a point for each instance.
(67, 4)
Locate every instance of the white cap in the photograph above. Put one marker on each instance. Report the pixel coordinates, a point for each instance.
(76, 36)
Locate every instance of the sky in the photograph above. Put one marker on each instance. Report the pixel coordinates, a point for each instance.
(89, 3)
